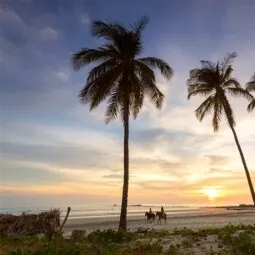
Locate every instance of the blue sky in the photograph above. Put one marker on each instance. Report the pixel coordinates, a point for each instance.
(52, 147)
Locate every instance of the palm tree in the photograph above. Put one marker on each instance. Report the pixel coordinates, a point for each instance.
(121, 77)
(214, 81)
(250, 86)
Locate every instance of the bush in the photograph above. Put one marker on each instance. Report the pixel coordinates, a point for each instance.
(147, 248)
(110, 236)
(244, 243)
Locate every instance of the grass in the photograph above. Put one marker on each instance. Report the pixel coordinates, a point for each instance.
(238, 240)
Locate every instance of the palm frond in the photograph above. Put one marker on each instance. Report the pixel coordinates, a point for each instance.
(116, 34)
(141, 68)
(204, 76)
(97, 90)
(155, 95)
(195, 86)
(131, 45)
(87, 56)
(240, 92)
(206, 64)
(136, 96)
(112, 49)
(226, 74)
(107, 83)
(231, 82)
(227, 60)
(139, 26)
(215, 78)
(205, 108)
(251, 106)
(107, 30)
(217, 114)
(157, 63)
(250, 86)
(101, 69)
(193, 74)
(148, 81)
(113, 104)
(202, 92)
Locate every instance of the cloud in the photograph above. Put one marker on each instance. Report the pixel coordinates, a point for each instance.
(84, 19)
(10, 16)
(12, 25)
(49, 135)
(13, 171)
(216, 170)
(26, 1)
(62, 74)
(56, 155)
(217, 160)
(49, 34)
(113, 176)
(48, 201)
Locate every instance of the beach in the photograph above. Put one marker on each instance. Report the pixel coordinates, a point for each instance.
(188, 230)
(196, 219)
(102, 217)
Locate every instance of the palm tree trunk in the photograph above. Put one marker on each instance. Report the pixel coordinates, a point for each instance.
(123, 213)
(244, 164)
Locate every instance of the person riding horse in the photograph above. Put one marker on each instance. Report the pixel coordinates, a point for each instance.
(161, 215)
(150, 216)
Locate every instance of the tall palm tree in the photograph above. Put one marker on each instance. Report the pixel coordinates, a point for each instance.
(250, 86)
(214, 81)
(121, 77)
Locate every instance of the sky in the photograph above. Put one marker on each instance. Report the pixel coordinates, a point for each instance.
(55, 152)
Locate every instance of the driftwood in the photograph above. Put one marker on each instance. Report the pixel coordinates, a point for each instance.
(64, 222)
(47, 223)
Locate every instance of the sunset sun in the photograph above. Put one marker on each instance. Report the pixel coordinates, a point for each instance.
(211, 193)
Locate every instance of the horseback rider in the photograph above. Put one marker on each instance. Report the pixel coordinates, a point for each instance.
(161, 215)
(150, 212)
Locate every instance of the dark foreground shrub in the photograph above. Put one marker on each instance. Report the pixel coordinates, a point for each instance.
(110, 236)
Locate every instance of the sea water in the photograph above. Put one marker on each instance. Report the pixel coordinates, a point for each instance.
(101, 211)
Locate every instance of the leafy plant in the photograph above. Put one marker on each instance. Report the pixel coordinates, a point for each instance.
(244, 243)
(110, 236)
(148, 248)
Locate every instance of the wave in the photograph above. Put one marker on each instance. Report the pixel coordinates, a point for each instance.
(97, 211)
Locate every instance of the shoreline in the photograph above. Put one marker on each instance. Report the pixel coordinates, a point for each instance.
(214, 217)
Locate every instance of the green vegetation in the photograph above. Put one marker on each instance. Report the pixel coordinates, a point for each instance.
(229, 240)
(110, 236)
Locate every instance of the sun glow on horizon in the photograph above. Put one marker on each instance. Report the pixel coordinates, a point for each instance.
(211, 192)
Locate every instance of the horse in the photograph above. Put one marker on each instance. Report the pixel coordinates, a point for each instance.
(161, 215)
(150, 217)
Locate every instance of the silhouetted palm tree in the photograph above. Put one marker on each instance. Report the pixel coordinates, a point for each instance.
(121, 78)
(250, 86)
(214, 81)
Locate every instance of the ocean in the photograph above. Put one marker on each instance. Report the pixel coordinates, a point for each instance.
(102, 211)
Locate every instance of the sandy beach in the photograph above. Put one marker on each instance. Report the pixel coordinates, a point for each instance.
(211, 217)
